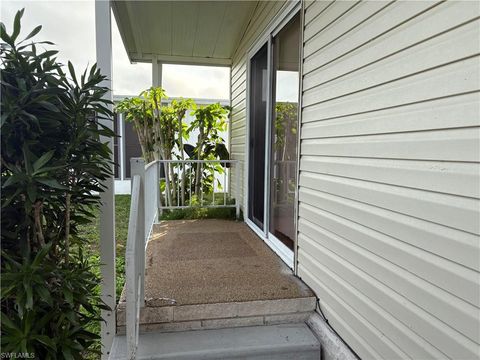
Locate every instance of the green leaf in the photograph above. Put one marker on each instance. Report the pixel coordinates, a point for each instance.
(34, 32)
(16, 24)
(43, 160)
(13, 179)
(8, 322)
(32, 192)
(48, 106)
(51, 183)
(41, 255)
(4, 36)
(45, 340)
(68, 295)
(72, 72)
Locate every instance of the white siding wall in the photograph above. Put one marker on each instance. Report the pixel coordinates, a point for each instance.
(263, 14)
(389, 182)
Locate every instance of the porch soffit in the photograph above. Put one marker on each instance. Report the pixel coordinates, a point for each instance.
(182, 32)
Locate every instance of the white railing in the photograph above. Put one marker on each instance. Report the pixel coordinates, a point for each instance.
(146, 205)
(198, 183)
(143, 214)
(133, 271)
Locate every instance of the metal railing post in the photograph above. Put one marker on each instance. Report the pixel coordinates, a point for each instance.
(237, 190)
(137, 166)
(159, 193)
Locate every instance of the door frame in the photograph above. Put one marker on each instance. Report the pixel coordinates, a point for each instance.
(290, 10)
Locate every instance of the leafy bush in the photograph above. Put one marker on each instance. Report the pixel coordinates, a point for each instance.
(52, 166)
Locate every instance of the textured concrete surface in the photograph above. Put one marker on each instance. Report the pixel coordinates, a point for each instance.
(214, 261)
(292, 341)
(332, 346)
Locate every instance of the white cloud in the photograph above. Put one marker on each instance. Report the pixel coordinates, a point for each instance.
(71, 26)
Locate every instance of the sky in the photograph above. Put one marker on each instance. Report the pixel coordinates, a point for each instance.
(71, 26)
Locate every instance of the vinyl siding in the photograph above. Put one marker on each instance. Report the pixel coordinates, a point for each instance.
(262, 16)
(388, 227)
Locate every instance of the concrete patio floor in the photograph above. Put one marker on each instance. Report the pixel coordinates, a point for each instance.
(214, 261)
(200, 270)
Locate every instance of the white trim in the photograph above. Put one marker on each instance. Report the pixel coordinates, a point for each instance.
(268, 139)
(273, 243)
(121, 146)
(280, 249)
(300, 97)
(180, 60)
(103, 42)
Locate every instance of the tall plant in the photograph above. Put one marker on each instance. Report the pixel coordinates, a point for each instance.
(52, 166)
(210, 120)
(180, 108)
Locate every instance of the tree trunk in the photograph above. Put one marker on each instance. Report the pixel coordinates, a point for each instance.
(198, 173)
(182, 156)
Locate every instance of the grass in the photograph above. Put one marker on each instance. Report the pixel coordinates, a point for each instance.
(91, 233)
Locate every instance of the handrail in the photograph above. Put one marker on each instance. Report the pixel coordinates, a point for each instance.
(144, 207)
(133, 271)
(143, 214)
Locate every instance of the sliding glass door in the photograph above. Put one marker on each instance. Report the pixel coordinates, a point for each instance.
(258, 120)
(273, 128)
(284, 127)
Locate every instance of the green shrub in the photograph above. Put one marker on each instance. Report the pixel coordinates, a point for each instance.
(52, 166)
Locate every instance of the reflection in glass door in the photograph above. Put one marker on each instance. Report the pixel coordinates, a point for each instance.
(257, 122)
(284, 127)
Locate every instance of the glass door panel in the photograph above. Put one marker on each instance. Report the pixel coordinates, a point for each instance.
(257, 137)
(284, 143)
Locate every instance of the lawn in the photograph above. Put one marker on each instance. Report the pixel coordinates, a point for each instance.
(91, 233)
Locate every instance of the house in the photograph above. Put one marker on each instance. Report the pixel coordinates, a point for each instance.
(381, 160)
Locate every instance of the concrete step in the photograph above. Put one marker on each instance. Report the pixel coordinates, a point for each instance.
(277, 342)
(220, 315)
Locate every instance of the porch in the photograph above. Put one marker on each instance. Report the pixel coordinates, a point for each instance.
(204, 274)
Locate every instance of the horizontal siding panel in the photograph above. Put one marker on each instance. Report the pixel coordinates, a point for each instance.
(387, 20)
(239, 84)
(239, 133)
(453, 112)
(351, 284)
(328, 16)
(240, 76)
(239, 92)
(369, 312)
(439, 20)
(238, 103)
(342, 317)
(317, 8)
(432, 176)
(442, 305)
(461, 77)
(458, 280)
(461, 43)
(344, 25)
(389, 187)
(456, 212)
(446, 145)
(238, 114)
(454, 245)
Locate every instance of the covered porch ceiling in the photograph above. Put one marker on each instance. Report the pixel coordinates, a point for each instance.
(182, 32)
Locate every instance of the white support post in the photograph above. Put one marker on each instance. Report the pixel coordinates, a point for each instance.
(137, 166)
(156, 72)
(107, 210)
